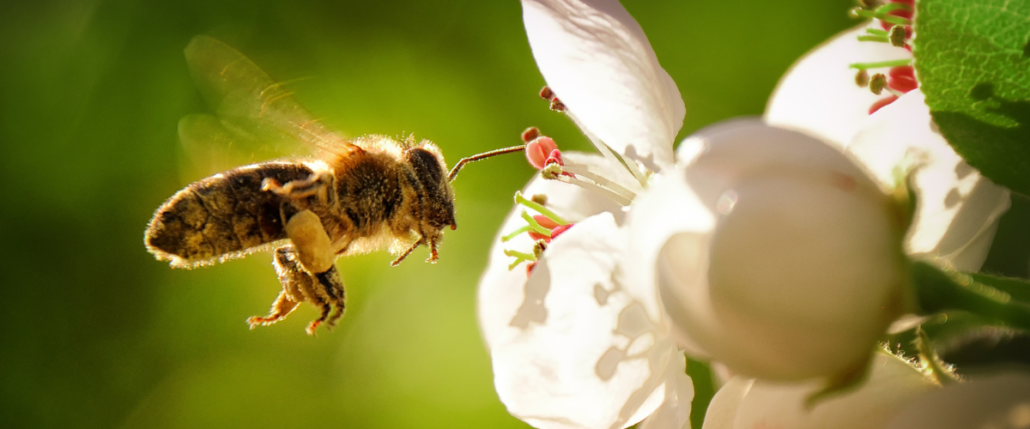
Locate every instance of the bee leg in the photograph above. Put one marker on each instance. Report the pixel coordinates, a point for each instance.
(434, 253)
(310, 241)
(318, 185)
(404, 255)
(282, 307)
(323, 290)
(333, 285)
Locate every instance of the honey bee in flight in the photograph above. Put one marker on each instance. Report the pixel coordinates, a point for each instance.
(357, 196)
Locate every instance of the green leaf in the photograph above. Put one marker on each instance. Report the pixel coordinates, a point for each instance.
(1018, 289)
(941, 291)
(973, 63)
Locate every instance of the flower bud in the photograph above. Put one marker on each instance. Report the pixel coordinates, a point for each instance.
(802, 268)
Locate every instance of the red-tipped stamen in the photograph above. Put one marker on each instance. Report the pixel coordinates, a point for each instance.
(882, 102)
(903, 78)
(538, 151)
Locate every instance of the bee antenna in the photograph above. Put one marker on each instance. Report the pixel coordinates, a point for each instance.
(457, 167)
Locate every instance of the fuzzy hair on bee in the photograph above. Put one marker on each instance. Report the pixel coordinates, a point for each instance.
(360, 195)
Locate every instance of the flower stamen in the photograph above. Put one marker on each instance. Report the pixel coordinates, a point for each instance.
(881, 64)
(519, 199)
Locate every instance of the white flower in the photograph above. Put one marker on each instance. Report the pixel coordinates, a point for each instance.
(818, 95)
(775, 253)
(745, 403)
(573, 345)
(802, 282)
(958, 208)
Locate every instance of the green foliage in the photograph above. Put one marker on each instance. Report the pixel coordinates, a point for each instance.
(973, 61)
(940, 290)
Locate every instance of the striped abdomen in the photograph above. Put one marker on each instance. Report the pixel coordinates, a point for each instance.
(222, 216)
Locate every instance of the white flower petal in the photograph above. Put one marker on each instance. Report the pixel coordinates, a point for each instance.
(958, 209)
(797, 278)
(722, 411)
(597, 60)
(674, 413)
(818, 95)
(892, 385)
(667, 208)
(501, 289)
(999, 401)
(578, 351)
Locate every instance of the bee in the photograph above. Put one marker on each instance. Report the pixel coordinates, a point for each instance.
(357, 196)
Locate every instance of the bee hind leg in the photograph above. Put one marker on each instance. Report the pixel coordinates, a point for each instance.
(324, 290)
(282, 307)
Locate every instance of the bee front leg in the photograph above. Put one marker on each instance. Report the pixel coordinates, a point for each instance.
(324, 290)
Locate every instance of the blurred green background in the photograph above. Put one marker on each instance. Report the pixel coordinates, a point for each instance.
(97, 334)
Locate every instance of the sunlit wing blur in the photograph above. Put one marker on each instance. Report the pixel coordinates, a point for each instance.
(256, 118)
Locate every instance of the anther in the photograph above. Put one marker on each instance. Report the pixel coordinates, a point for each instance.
(546, 93)
(539, 150)
(862, 78)
(557, 105)
(539, 199)
(538, 249)
(555, 158)
(530, 134)
(897, 36)
(551, 172)
(903, 79)
(878, 83)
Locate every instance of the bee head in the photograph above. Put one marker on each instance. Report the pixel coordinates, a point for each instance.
(430, 171)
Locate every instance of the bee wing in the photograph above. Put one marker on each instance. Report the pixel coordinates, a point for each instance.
(250, 103)
(211, 146)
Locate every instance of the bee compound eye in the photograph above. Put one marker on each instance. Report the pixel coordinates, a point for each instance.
(426, 166)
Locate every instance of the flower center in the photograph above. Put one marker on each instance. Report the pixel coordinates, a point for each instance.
(896, 20)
